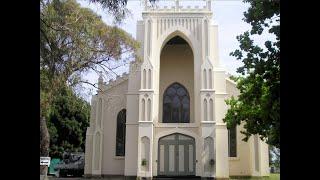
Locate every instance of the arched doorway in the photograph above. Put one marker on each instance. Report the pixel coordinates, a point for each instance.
(176, 155)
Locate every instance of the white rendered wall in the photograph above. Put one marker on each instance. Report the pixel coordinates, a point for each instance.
(240, 165)
(115, 101)
(244, 163)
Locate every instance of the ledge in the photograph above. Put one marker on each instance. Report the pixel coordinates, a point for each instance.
(119, 157)
(234, 158)
(221, 124)
(131, 93)
(177, 125)
(146, 90)
(183, 12)
(208, 122)
(135, 124)
(207, 90)
(146, 122)
(221, 93)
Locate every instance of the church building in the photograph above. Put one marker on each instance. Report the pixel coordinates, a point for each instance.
(165, 117)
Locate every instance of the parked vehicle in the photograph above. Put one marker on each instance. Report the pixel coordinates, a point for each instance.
(72, 164)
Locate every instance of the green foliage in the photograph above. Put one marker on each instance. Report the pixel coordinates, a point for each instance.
(73, 41)
(67, 123)
(274, 154)
(258, 104)
(115, 7)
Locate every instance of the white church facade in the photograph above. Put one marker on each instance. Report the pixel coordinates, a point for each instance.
(165, 117)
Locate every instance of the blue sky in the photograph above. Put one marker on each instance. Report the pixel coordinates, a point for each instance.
(227, 14)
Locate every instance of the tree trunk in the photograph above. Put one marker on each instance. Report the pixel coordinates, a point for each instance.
(44, 143)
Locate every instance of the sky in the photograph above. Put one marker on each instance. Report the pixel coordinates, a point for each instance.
(227, 14)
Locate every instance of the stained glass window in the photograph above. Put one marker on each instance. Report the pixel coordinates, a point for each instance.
(121, 133)
(176, 104)
(232, 141)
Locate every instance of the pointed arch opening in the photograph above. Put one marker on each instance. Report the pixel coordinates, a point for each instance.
(121, 133)
(177, 33)
(176, 65)
(176, 104)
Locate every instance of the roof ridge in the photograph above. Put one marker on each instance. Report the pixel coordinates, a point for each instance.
(118, 80)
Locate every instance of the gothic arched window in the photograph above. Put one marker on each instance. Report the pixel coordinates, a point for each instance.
(176, 104)
(232, 141)
(121, 133)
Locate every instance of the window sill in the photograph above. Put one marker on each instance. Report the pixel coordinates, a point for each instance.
(234, 158)
(119, 157)
(177, 125)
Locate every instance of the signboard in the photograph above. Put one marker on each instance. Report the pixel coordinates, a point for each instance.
(45, 161)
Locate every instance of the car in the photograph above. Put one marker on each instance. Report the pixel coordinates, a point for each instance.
(71, 165)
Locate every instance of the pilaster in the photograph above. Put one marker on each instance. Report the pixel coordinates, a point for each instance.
(207, 97)
(94, 133)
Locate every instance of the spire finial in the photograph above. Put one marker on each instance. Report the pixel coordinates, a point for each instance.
(177, 4)
(209, 5)
(145, 3)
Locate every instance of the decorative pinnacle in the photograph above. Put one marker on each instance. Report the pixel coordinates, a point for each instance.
(177, 4)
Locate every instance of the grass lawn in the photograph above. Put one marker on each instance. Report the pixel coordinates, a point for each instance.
(271, 177)
(274, 177)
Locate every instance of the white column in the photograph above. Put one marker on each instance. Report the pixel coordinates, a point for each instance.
(145, 132)
(146, 94)
(213, 48)
(221, 145)
(222, 156)
(133, 110)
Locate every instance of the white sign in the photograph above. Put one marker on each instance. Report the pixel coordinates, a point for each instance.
(45, 161)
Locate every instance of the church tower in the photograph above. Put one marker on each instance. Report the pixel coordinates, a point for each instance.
(194, 26)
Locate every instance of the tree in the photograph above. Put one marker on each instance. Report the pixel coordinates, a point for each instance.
(274, 157)
(67, 123)
(258, 104)
(116, 7)
(73, 41)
